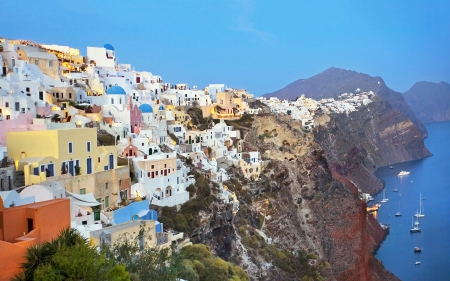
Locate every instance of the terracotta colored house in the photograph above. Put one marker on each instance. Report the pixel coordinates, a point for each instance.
(26, 225)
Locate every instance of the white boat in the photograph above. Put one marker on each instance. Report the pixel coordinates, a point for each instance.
(417, 249)
(403, 173)
(420, 213)
(417, 263)
(384, 200)
(414, 228)
(396, 190)
(398, 214)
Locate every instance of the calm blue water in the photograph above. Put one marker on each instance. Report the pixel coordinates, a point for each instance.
(431, 177)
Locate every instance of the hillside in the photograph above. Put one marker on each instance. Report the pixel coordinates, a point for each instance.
(429, 101)
(334, 81)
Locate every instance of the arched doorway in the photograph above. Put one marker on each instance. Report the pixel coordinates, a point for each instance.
(168, 191)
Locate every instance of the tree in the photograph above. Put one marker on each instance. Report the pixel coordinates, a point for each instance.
(69, 257)
(55, 118)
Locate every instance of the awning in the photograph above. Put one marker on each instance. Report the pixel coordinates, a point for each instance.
(83, 199)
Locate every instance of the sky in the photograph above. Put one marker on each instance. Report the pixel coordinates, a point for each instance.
(257, 45)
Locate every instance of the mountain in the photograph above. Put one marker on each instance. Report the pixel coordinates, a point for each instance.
(429, 101)
(334, 81)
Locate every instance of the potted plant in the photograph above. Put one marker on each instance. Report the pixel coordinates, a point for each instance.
(77, 170)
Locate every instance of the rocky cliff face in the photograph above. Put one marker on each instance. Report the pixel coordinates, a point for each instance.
(334, 81)
(377, 135)
(430, 102)
(298, 207)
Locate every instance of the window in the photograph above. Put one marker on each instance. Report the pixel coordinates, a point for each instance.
(82, 190)
(106, 201)
(50, 63)
(70, 147)
(153, 166)
(27, 89)
(36, 62)
(88, 146)
(106, 185)
(17, 106)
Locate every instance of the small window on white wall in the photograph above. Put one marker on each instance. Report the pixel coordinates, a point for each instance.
(70, 147)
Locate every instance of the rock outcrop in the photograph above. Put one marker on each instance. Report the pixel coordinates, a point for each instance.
(429, 101)
(334, 81)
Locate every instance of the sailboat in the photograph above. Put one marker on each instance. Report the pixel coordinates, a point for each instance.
(384, 200)
(398, 214)
(414, 228)
(420, 214)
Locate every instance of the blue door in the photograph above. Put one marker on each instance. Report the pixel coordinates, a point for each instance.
(89, 166)
(51, 169)
(111, 161)
(71, 168)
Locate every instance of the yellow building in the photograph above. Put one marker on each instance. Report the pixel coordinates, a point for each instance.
(51, 153)
(143, 231)
(227, 106)
(131, 230)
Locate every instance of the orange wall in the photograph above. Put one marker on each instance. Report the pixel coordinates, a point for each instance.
(49, 218)
(11, 256)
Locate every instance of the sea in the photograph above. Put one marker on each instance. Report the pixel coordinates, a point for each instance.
(429, 179)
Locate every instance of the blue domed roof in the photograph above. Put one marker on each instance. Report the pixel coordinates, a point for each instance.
(116, 90)
(108, 47)
(145, 108)
(161, 107)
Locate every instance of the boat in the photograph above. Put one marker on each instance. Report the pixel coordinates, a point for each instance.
(398, 214)
(396, 190)
(403, 173)
(417, 249)
(384, 200)
(414, 228)
(391, 167)
(417, 263)
(420, 213)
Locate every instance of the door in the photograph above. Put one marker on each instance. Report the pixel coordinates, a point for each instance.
(71, 168)
(111, 161)
(51, 169)
(30, 224)
(138, 80)
(89, 166)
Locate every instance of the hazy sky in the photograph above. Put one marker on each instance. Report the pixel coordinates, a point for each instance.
(259, 45)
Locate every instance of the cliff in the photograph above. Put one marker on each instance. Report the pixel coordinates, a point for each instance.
(430, 102)
(374, 136)
(298, 221)
(334, 81)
